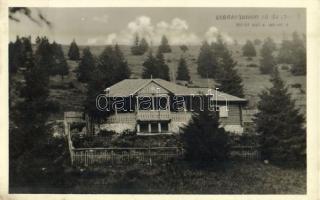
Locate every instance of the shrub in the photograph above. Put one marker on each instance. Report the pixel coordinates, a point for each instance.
(252, 65)
(204, 141)
(296, 85)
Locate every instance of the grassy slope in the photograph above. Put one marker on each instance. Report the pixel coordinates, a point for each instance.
(180, 178)
(253, 81)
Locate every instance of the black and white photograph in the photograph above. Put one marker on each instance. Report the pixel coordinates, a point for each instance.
(157, 100)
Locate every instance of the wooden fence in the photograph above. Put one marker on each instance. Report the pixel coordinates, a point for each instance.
(93, 156)
(245, 152)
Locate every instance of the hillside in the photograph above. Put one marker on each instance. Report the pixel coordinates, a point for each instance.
(253, 81)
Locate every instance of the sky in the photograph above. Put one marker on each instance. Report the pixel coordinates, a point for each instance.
(191, 26)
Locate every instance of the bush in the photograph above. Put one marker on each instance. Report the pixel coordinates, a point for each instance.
(285, 67)
(252, 65)
(249, 59)
(296, 85)
(204, 141)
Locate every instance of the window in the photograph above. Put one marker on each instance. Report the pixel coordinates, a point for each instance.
(154, 127)
(164, 127)
(144, 127)
(223, 112)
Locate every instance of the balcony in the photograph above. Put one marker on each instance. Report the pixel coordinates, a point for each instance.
(153, 115)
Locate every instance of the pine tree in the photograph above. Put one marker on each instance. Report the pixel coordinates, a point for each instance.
(280, 124)
(86, 65)
(60, 66)
(207, 63)
(150, 67)
(144, 46)
(74, 53)
(106, 65)
(285, 54)
(16, 55)
(267, 63)
(101, 77)
(299, 55)
(164, 46)
(121, 70)
(203, 140)
(248, 49)
(135, 47)
(30, 136)
(183, 71)
(44, 55)
(162, 67)
(229, 80)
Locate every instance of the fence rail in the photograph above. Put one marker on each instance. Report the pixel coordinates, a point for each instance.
(92, 156)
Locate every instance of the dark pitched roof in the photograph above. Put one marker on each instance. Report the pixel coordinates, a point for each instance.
(129, 87)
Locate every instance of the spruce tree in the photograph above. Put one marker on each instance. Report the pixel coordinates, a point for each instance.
(144, 46)
(74, 53)
(267, 63)
(106, 65)
(16, 56)
(203, 139)
(283, 136)
(136, 48)
(162, 67)
(60, 66)
(30, 136)
(248, 49)
(150, 67)
(207, 63)
(229, 80)
(86, 65)
(183, 71)
(121, 68)
(164, 45)
(299, 55)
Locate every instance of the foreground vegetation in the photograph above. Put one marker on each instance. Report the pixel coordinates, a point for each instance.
(178, 177)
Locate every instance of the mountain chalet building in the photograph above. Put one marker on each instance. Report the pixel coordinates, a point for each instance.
(156, 106)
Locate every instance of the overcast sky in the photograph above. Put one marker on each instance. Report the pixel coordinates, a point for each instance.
(100, 26)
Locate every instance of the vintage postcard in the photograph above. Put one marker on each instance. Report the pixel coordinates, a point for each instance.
(167, 98)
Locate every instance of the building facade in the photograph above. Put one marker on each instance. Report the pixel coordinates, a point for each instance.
(156, 106)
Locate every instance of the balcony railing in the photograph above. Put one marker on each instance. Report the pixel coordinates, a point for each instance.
(122, 118)
(153, 115)
(149, 115)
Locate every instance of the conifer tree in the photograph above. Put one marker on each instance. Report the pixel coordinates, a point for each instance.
(280, 124)
(183, 71)
(150, 67)
(162, 67)
(16, 55)
(74, 53)
(248, 49)
(135, 49)
(60, 66)
(121, 70)
(164, 46)
(31, 136)
(106, 65)
(86, 65)
(267, 63)
(144, 46)
(204, 140)
(207, 63)
(229, 80)
(299, 55)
